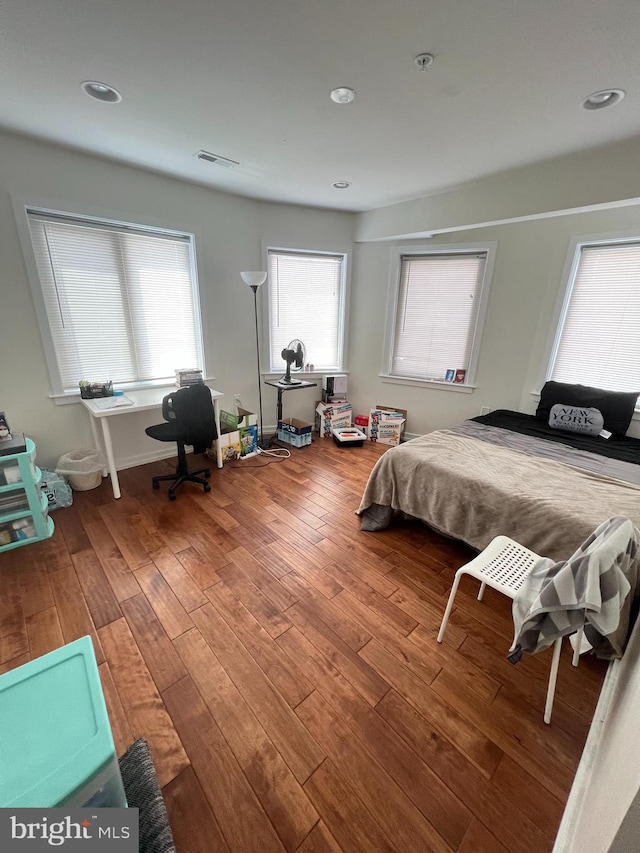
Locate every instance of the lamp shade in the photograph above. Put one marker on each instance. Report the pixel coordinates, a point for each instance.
(253, 279)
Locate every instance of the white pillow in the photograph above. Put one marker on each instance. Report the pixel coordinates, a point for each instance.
(576, 419)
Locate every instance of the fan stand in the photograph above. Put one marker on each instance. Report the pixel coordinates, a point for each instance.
(286, 379)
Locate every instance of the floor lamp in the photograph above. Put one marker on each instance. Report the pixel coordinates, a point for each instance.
(254, 280)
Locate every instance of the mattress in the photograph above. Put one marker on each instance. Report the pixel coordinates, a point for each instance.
(506, 474)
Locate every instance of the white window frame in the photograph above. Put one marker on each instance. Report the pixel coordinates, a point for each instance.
(570, 269)
(274, 371)
(81, 212)
(397, 253)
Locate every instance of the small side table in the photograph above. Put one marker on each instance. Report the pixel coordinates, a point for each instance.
(282, 387)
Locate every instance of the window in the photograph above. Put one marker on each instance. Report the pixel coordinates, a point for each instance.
(598, 339)
(120, 300)
(306, 302)
(437, 312)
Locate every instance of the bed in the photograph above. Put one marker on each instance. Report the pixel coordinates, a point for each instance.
(512, 474)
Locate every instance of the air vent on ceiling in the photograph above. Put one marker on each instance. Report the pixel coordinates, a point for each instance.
(217, 159)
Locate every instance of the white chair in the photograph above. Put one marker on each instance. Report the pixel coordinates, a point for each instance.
(503, 565)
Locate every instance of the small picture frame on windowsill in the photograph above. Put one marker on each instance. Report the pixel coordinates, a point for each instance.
(450, 375)
(460, 376)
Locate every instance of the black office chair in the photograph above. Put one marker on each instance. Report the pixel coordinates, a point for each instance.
(190, 419)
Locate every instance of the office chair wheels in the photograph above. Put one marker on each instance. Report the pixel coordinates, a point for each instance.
(172, 496)
(155, 484)
(207, 473)
(207, 487)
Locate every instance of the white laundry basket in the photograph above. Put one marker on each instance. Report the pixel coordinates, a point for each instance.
(82, 468)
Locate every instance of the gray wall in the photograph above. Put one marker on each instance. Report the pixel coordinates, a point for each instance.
(527, 279)
(229, 232)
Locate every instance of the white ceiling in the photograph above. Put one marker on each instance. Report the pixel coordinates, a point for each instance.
(250, 80)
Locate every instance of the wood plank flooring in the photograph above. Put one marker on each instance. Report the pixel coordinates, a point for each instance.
(283, 666)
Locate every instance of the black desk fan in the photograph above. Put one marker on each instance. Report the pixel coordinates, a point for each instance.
(294, 355)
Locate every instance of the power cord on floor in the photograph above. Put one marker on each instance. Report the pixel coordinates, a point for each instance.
(276, 453)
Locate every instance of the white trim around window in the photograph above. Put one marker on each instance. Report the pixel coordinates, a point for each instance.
(586, 246)
(60, 268)
(303, 312)
(482, 258)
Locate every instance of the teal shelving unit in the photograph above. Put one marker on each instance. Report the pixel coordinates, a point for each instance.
(24, 512)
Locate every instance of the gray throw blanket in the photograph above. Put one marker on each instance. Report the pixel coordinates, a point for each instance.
(597, 587)
(472, 490)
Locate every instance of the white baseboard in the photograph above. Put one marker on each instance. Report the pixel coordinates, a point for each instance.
(145, 458)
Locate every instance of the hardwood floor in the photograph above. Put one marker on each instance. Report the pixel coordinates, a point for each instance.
(283, 665)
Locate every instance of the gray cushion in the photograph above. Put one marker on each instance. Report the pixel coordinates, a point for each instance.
(616, 406)
(576, 419)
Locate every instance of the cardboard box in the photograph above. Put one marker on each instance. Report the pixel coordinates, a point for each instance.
(395, 412)
(393, 409)
(330, 416)
(245, 423)
(386, 425)
(295, 432)
(229, 443)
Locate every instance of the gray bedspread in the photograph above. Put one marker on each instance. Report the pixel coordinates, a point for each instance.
(471, 488)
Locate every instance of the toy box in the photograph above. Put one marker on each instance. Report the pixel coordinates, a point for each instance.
(330, 416)
(295, 432)
(386, 425)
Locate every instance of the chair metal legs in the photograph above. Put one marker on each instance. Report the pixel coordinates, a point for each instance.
(555, 660)
(553, 675)
(447, 612)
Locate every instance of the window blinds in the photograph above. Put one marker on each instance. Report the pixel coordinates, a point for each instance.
(599, 343)
(437, 314)
(306, 302)
(121, 302)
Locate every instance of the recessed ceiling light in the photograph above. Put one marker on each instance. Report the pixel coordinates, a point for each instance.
(101, 92)
(341, 185)
(602, 99)
(343, 95)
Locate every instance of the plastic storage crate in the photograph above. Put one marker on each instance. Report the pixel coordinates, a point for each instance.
(57, 747)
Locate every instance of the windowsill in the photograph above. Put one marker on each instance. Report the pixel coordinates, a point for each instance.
(69, 397)
(460, 387)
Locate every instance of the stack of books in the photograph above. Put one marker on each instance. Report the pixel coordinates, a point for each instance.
(188, 376)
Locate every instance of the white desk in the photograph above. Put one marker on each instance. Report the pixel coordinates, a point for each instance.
(145, 400)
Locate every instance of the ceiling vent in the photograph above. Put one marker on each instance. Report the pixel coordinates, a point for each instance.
(217, 159)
